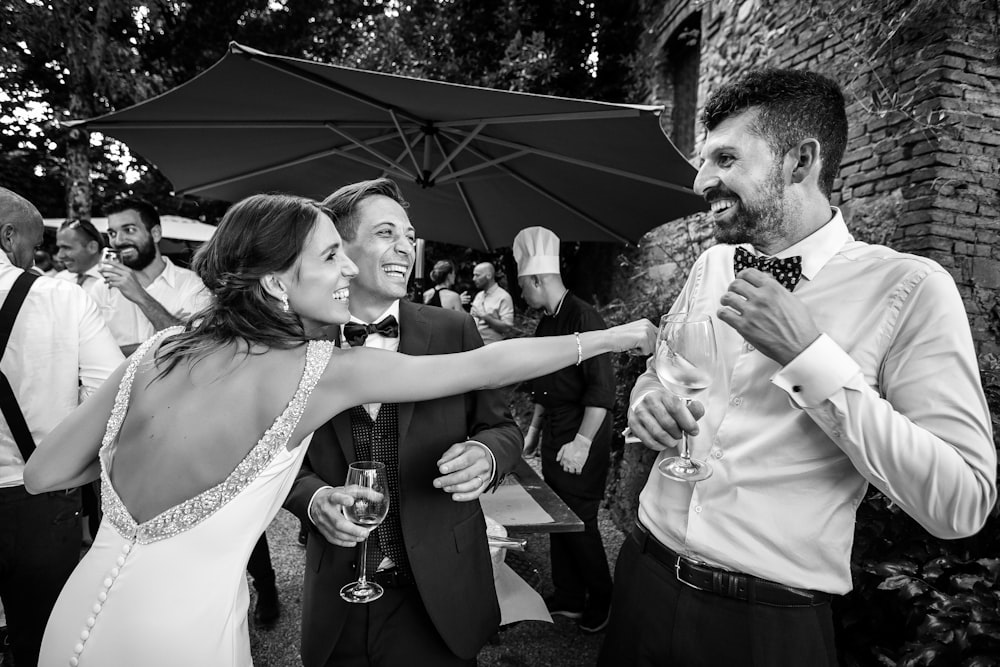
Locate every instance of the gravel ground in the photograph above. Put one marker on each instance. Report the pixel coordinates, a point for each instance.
(527, 644)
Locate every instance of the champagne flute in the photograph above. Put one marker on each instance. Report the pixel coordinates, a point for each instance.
(367, 482)
(684, 362)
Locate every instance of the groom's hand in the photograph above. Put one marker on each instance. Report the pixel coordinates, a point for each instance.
(466, 470)
(327, 514)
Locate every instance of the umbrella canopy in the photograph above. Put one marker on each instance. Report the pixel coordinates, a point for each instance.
(477, 165)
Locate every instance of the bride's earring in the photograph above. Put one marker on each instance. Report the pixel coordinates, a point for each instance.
(284, 303)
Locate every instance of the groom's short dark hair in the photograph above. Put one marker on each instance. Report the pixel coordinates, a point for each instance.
(343, 204)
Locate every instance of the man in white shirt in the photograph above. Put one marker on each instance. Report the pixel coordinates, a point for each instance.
(58, 353)
(840, 364)
(492, 307)
(147, 292)
(80, 246)
(431, 556)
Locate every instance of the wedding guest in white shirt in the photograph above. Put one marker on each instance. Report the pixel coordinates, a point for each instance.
(492, 307)
(58, 353)
(148, 292)
(80, 246)
(79, 249)
(862, 371)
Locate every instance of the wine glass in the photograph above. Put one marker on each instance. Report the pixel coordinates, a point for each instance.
(684, 361)
(367, 483)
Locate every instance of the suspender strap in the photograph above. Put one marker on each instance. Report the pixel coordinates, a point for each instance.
(8, 401)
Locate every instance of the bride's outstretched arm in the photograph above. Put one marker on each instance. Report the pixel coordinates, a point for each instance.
(67, 457)
(375, 376)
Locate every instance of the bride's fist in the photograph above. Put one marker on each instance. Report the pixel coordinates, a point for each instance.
(638, 337)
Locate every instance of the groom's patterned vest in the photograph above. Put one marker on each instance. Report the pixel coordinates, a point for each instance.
(378, 440)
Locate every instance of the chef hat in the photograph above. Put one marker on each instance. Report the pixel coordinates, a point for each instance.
(536, 251)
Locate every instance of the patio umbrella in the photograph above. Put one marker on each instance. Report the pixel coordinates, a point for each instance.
(476, 164)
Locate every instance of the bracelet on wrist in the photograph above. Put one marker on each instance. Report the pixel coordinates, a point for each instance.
(579, 348)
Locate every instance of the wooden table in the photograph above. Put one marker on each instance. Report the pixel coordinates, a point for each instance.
(541, 496)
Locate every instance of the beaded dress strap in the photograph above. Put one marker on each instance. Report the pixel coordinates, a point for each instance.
(125, 386)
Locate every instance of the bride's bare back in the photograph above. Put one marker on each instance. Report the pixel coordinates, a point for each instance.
(188, 430)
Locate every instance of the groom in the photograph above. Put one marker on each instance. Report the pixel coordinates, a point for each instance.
(440, 605)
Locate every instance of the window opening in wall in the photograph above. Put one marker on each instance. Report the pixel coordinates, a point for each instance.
(681, 71)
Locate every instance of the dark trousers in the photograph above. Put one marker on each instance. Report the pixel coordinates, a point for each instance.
(259, 566)
(394, 630)
(657, 620)
(39, 547)
(91, 497)
(580, 572)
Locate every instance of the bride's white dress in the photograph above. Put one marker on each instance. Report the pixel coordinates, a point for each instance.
(172, 591)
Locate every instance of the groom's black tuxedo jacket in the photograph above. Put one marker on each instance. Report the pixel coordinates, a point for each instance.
(445, 540)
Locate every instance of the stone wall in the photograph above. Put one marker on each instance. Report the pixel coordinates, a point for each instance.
(922, 168)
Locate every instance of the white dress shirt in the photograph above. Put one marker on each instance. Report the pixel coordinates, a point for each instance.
(59, 352)
(495, 301)
(95, 286)
(377, 341)
(179, 290)
(888, 395)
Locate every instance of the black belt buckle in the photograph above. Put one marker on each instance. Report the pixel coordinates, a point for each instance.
(392, 577)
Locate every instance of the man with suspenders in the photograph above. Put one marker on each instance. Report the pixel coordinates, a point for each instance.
(56, 350)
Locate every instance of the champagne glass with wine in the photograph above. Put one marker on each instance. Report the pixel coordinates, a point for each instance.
(368, 484)
(685, 360)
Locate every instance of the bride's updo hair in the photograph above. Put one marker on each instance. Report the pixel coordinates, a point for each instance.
(260, 235)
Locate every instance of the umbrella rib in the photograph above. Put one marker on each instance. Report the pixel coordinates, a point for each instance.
(458, 149)
(329, 85)
(379, 156)
(452, 175)
(406, 144)
(582, 163)
(547, 117)
(558, 200)
(235, 125)
(468, 204)
(290, 163)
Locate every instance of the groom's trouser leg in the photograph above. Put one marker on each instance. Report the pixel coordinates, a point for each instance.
(39, 547)
(394, 630)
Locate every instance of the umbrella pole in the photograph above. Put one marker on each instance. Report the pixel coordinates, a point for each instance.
(418, 272)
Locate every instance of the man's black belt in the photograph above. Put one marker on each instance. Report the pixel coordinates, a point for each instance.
(392, 577)
(715, 580)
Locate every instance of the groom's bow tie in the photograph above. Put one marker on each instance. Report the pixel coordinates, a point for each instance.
(786, 271)
(356, 333)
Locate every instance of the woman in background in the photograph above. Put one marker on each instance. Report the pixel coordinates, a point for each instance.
(443, 277)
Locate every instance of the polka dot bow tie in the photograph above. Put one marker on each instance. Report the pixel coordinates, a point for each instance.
(786, 271)
(356, 333)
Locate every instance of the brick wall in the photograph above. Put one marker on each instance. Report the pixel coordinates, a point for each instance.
(921, 172)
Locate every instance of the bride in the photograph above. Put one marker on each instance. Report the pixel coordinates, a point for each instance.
(198, 436)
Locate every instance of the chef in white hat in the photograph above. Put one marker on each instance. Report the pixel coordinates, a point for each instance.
(572, 423)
